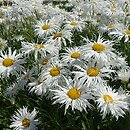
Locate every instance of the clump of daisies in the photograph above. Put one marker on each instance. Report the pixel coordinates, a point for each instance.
(69, 54)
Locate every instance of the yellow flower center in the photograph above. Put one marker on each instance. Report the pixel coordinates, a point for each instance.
(5, 7)
(46, 27)
(74, 23)
(44, 61)
(54, 6)
(25, 122)
(110, 27)
(108, 99)
(8, 62)
(98, 47)
(74, 93)
(54, 71)
(1, 17)
(75, 55)
(93, 71)
(1, 45)
(127, 31)
(38, 46)
(93, 2)
(113, 2)
(113, 11)
(57, 35)
(35, 5)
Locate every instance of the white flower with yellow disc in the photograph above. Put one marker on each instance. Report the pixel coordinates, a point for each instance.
(92, 73)
(46, 28)
(41, 49)
(53, 73)
(72, 55)
(99, 50)
(75, 23)
(38, 86)
(60, 38)
(73, 95)
(111, 102)
(10, 63)
(122, 31)
(24, 120)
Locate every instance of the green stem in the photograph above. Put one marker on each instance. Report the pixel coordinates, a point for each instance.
(87, 121)
(125, 85)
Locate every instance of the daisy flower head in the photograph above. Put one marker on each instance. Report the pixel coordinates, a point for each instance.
(72, 95)
(119, 62)
(34, 5)
(23, 119)
(111, 102)
(60, 38)
(72, 55)
(122, 31)
(92, 73)
(124, 74)
(109, 27)
(44, 61)
(74, 23)
(53, 73)
(99, 50)
(25, 77)
(38, 86)
(2, 18)
(113, 12)
(41, 49)
(46, 28)
(47, 61)
(10, 63)
(12, 90)
(54, 11)
(6, 9)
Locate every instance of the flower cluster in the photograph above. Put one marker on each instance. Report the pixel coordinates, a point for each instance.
(66, 52)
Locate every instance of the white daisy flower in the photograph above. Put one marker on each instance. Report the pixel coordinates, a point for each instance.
(25, 77)
(60, 37)
(34, 5)
(12, 90)
(99, 50)
(24, 120)
(46, 28)
(45, 61)
(124, 74)
(122, 31)
(75, 23)
(109, 27)
(72, 55)
(10, 63)
(41, 49)
(2, 18)
(92, 73)
(53, 73)
(110, 101)
(74, 95)
(119, 62)
(116, 12)
(6, 8)
(38, 86)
